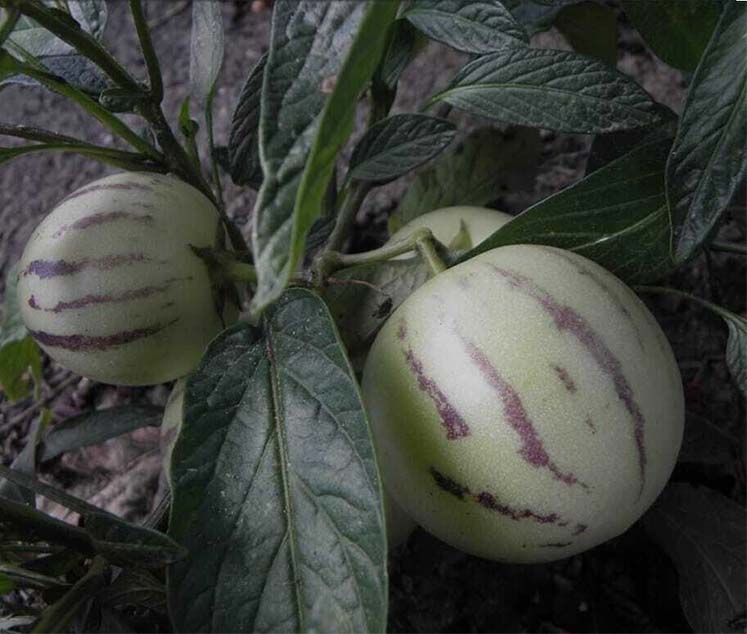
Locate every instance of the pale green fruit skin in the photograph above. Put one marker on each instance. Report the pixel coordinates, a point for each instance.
(445, 224)
(110, 287)
(559, 391)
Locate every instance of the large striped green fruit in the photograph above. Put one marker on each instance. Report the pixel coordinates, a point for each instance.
(461, 227)
(526, 403)
(398, 523)
(110, 287)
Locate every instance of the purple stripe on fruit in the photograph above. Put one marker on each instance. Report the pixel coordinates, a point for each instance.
(84, 343)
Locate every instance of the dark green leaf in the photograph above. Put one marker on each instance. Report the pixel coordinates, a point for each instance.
(134, 587)
(591, 29)
(558, 90)
(676, 30)
(703, 533)
(398, 144)
(27, 578)
(25, 462)
(362, 298)
(20, 361)
(306, 53)
(206, 54)
(736, 349)
(616, 216)
(243, 144)
(487, 163)
(92, 428)
(706, 443)
(6, 585)
(405, 43)
(708, 159)
(276, 493)
(127, 544)
(474, 26)
(534, 17)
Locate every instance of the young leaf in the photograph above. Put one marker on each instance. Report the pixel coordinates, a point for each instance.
(361, 298)
(93, 428)
(484, 165)
(676, 30)
(591, 29)
(243, 143)
(20, 359)
(708, 159)
(557, 90)
(398, 144)
(304, 57)
(616, 216)
(206, 54)
(703, 533)
(474, 26)
(276, 494)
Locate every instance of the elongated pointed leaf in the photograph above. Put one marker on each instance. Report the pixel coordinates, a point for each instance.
(676, 30)
(708, 160)
(399, 144)
(472, 26)
(703, 533)
(558, 90)
(298, 146)
(206, 56)
(616, 216)
(243, 144)
(275, 489)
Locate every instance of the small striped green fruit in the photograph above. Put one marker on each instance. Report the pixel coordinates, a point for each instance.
(460, 227)
(526, 403)
(110, 287)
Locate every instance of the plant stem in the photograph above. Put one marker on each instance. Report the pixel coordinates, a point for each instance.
(729, 247)
(663, 290)
(10, 23)
(149, 53)
(83, 42)
(352, 200)
(56, 617)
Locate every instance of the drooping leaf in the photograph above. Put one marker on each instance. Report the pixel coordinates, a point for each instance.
(361, 298)
(275, 489)
(19, 355)
(301, 132)
(206, 52)
(557, 90)
(676, 30)
(93, 428)
(616, 216)
(703, 533)
(398, 144)
(708, 159)
(472, 26)
(243, 143)
(487, 163)
(591, 29)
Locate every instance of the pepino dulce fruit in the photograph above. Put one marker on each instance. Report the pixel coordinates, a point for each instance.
(526, 403)
(109, 284)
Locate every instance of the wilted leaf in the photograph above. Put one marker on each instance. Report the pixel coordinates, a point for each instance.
(472, 26)
(397, 145)
(616, 216)
(487, 163)
(275, 488)
(557, 90)
(703, 533)
(708, 160)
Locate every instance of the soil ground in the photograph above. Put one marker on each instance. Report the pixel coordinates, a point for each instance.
(625, 585)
